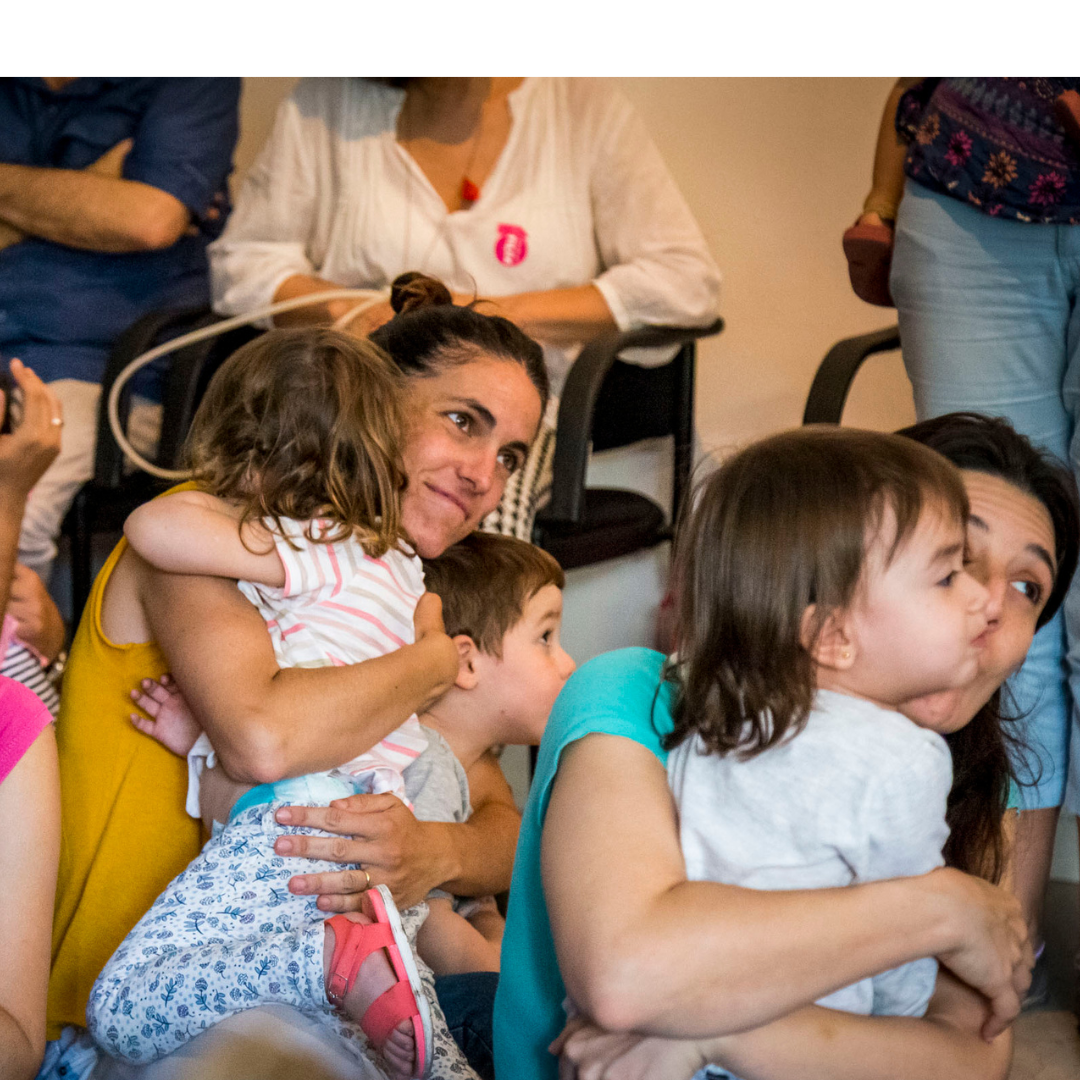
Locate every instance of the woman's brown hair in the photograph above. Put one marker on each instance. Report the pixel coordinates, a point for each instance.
(781, 526)
(988, 752)
(305, 424)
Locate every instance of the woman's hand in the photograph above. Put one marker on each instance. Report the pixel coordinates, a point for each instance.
(378, 832)
(31, 448)
(587, 1052)
(993, 954)
(39, 622)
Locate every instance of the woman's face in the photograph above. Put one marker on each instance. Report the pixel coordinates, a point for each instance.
(470, 426)
(1011, 551)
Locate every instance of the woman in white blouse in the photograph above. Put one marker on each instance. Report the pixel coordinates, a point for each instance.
(544, 195)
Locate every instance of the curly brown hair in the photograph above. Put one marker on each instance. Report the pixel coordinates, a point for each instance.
(304, 424)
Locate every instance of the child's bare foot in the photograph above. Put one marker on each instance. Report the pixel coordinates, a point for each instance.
(375, 977)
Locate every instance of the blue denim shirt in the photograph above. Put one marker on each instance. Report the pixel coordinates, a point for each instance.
(62, 308)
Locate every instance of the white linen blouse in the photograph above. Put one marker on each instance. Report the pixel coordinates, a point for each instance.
(579, 194)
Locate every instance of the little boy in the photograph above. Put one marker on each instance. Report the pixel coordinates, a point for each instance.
(502, 607)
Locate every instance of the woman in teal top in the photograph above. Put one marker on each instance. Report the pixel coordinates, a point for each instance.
(599, 882)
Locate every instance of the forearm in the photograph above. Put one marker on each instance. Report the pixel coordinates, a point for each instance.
(82, 209)
(558, 316)
(480, 852)
(190, 532)
(345, 710)
(753, 956)
(19, 1057)
(323, 314)
(760, 954)
(888, 178)
(822, 1044)
(266, 722)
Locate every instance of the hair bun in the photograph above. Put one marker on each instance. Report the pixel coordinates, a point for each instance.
(415, 290)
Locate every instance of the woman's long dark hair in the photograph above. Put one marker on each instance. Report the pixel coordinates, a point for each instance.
(987, 753)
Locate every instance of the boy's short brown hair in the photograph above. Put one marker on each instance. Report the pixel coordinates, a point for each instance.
(485, 581)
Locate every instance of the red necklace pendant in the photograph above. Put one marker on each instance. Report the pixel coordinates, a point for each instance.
(469, 191)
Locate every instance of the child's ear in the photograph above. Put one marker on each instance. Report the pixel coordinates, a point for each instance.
(830, 644)
(468, 674)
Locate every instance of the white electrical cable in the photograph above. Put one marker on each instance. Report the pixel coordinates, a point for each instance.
(367, 297)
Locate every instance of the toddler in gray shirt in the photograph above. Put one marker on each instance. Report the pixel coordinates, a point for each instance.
(831, 595)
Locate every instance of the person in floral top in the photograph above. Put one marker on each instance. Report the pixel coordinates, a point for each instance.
(985, 275)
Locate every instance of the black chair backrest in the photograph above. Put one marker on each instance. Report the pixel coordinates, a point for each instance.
(184, 378)
(608, 403)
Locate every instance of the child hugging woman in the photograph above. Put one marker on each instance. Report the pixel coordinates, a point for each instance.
(295, 455)
(826, 602)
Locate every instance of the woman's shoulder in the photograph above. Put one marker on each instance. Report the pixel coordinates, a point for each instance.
(617, 692)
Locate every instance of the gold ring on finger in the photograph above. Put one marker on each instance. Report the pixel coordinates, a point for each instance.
(367, 880)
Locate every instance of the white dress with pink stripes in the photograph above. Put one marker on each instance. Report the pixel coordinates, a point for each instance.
(338, 606)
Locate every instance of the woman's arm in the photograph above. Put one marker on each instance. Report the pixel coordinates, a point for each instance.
(25, 454)
(641, 948)
(821, 1044)
(29, 853)
(811, 1044)
(412, 857)
(887, 185)
(558, 316)
(190, 532)
(266, 722)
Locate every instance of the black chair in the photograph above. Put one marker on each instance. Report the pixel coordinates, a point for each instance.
(103, 503)
(607, 403)
(829, 390)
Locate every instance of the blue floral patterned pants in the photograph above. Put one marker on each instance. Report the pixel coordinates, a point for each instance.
(225, 936)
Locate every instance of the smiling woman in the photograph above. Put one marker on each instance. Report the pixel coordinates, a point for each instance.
(474, 390)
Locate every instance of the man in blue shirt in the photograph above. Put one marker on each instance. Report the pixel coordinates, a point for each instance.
(110, 190)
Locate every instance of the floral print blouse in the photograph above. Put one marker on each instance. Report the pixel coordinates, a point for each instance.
(995, 144)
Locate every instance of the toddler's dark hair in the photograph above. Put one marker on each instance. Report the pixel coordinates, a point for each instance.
(305, 424)
(783, 525)
(485, 581)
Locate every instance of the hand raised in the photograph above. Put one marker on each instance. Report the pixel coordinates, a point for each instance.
(31, 448)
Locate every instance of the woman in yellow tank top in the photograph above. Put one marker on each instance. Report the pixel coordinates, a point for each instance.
(125, 832)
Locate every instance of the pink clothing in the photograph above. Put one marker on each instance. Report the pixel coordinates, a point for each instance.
(338, 606)
(23, 718)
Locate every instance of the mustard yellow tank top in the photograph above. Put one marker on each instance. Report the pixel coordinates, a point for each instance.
(125, 834)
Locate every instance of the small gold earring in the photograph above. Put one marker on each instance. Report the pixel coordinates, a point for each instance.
(845, 654)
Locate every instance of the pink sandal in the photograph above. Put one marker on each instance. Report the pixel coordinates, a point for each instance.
(353, 943)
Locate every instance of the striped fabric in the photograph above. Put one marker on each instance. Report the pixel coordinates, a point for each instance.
(23, 665)
(340, 606)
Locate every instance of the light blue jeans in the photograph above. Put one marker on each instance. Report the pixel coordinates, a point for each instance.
(989, 323)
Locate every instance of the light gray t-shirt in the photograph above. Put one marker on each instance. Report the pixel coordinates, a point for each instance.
(436, 783)
(858, 795)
